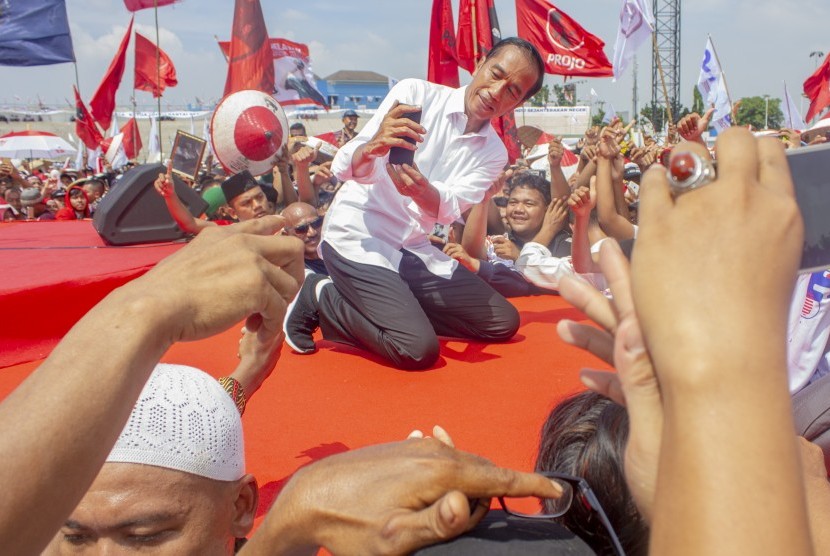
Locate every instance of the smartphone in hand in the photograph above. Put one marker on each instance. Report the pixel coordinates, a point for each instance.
(399, 155)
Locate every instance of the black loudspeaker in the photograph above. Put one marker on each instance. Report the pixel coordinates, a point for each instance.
(133, 211)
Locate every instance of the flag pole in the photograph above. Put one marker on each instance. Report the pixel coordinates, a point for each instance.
(158, 72)
(474, 25)
(662, 77)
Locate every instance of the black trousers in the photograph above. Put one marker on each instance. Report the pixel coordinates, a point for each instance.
(398, 315)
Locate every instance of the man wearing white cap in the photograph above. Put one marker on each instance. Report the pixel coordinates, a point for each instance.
(175, 480)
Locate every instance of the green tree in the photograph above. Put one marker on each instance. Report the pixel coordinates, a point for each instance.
(597, 118)
(559, 93)
(753, 111)
(656, 114)
(542, 97)
(697, 102)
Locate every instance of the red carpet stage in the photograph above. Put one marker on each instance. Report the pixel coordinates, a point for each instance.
(492, 399)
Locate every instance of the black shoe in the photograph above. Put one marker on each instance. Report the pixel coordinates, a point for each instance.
(301, 317)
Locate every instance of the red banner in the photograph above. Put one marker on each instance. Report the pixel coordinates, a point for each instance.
(480, 14)
(132, 139)
(250, 63)
(135, 5)
(103, 101)
(294, 81)
(442, 67)
(817, 89)
(148, 77)
(565, 46)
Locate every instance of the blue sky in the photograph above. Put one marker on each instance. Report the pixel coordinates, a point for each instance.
(760, 43)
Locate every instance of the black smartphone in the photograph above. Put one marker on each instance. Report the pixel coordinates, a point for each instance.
(810, 170)
(399, 155)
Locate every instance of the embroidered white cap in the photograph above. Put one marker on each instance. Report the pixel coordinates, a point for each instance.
(184, 420)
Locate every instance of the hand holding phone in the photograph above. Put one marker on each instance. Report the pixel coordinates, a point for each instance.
(400, 155)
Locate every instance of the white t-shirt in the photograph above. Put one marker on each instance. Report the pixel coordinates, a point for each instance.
(808, 330)
(369, 221)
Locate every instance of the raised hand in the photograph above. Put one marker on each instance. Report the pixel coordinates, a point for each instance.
(393, 128)
(692, 126)
(164, 183)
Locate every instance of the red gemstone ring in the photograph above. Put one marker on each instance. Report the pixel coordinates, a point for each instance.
(689, 171)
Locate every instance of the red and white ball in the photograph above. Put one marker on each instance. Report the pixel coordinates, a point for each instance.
(248, 132)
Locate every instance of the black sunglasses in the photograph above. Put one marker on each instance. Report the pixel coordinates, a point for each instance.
(317, 223)
(551, 508)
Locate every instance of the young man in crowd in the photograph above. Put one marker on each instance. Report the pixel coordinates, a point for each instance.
(375, 237)
(303, 222)
(349, 130)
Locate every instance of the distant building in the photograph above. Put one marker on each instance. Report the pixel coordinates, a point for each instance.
(354, 89)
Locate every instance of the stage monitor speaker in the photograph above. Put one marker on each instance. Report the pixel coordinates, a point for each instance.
(133, 212)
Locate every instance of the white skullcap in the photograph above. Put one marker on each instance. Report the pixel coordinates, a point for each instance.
(184, 420)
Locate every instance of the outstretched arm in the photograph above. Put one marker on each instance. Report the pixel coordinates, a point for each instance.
(65, 417)
(185, 220)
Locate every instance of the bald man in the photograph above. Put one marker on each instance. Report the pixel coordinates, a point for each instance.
(303, 221)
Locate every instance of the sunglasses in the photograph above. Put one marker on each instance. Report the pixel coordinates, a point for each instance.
(317, 223)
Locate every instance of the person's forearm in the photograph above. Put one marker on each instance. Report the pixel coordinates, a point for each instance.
(63, 420)
(475, 230)
(428, 200)
(581, 247)
(305, 189)
(558, 183)
(619, 195)
(583, 177)
(728, 446)
(289, 195)
(181, 215)
(611, 222)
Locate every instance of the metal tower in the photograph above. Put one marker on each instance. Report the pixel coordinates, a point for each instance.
(667, 51)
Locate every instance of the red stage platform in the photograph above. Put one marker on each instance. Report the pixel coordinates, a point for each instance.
(491, 398)
(52, 273)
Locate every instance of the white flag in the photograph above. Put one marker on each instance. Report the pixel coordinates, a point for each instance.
(636, 27)
(712, 87)
(114, 129)
(79, 157)
(594, 96)
(610, 115)
(792, 117)
(154, 148)
(115, 154)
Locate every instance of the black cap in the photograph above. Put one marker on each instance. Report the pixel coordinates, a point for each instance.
(238, 184)
(349, 113)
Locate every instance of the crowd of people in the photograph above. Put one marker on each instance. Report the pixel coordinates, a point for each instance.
(690, 447)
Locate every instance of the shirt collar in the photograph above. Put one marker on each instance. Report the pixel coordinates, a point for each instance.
(455, 105)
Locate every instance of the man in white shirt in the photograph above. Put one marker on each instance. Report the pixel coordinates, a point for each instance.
(392, 291)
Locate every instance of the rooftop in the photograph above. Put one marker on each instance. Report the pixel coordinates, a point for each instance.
(357, 76)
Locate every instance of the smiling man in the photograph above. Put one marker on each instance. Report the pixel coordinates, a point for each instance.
(392, 292)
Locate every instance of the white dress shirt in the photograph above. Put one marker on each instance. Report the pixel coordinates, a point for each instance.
(369, 221)
(540, 268)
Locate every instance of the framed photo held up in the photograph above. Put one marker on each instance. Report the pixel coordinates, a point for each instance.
(187, 154)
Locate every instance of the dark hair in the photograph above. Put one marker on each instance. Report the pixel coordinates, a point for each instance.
(530, 180)
(76, 192)
(585, 435)
(532, 55)
(297, 125)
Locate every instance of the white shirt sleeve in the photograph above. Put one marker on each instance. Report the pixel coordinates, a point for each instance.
(539, 267)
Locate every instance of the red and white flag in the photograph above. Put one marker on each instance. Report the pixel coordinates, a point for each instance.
(250, 62)
(103, 101)
(154, 70)
(135, 5)
(817, 89)
(85, 127)
(566, 47)
(442, 67)
(294, 81)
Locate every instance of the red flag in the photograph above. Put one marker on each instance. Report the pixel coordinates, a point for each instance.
(147, 76)
(482, 15)
(132, 139)
(135, 5)
(442, 66)
(817, 89)
(565, 46)
(103, 101)
(250, 64)
(85, 127)
(506, 129)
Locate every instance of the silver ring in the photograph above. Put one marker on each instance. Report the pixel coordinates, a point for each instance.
(696, 172)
